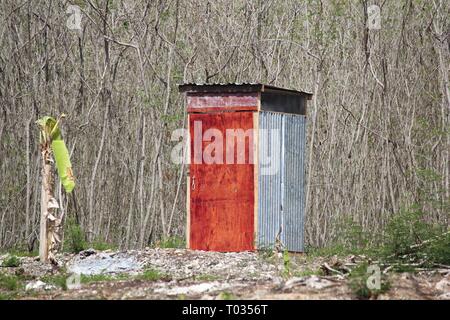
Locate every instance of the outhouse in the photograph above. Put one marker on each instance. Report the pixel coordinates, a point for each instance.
(246, 180)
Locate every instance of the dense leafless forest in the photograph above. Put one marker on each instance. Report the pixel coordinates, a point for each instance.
(378, 124)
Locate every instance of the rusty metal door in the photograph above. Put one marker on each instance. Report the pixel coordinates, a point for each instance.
(221, 194)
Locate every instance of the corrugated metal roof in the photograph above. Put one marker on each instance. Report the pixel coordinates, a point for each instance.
(236, 87)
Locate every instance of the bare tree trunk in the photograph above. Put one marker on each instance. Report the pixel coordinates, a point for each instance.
(27, 200)
(94, 173)
(46, 195)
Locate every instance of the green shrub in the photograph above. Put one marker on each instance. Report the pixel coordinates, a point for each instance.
(358, 283)
(438, 251)
(9, 282)
(7, 296)
(74, 238)
(58, 280)
(11, 262)
(352, 236)
(409, 236)
(404, 230)
(286, 264)
(101, 245)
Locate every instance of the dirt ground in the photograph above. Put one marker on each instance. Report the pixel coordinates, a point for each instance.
(186, 274)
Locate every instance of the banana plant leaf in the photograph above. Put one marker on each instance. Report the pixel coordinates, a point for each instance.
(63, 164)
(50, 128)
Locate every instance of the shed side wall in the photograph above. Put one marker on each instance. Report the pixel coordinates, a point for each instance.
(294, 137)
(269, 179)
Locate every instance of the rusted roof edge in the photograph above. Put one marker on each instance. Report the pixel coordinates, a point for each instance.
(237, 87)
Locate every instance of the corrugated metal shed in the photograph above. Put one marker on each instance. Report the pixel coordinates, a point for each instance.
(273, 187)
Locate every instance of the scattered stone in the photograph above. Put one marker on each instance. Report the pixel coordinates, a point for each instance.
(203, 289)
(38, 286)
(205, 275)
(317, 283)
(443, 285)
(444, 296)
(104, 263)
(293, 282)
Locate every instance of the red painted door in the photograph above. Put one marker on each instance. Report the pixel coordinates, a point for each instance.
(222, 192)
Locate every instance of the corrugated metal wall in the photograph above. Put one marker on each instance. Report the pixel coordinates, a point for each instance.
(293, 181)
(281, 188)
(269, 180)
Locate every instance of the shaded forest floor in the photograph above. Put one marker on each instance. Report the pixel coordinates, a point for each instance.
(186, 274)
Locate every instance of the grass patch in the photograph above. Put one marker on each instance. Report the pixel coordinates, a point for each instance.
(58, 280)
(152, 275)
(103, 277)
(10, 282)
(102, 245)
(307, 273)
(266, 254)
(7, 296)
(172, 242)
(20, 252)
(227, 296)
(74, 237)
(11, 262)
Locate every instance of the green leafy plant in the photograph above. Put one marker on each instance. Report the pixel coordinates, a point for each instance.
(58, 280)
(438, 249)
(11, 262)
(10, 282)
(50, 132)
(286, 264)
(102, 245)
(358, 283)
(75, 238)
(410, 237)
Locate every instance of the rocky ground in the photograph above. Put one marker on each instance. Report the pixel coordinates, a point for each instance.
(186, 274)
